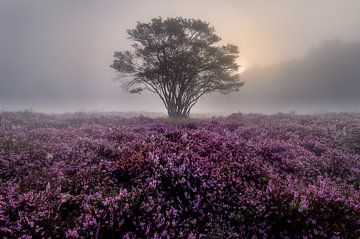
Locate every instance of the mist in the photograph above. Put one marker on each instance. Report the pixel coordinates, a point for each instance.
(55, 55)
(326, 79)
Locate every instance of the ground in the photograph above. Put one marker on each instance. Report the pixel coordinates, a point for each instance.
(242, 176)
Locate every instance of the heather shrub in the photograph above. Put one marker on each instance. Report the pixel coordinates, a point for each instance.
(242, 176)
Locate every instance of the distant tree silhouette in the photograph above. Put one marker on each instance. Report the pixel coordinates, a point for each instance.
(177, 59)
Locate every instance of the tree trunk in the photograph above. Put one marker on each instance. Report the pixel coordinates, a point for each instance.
(175, 112)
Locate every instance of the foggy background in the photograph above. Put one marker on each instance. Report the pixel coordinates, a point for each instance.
(301, 56)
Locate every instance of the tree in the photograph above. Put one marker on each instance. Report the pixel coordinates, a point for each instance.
(179, 60)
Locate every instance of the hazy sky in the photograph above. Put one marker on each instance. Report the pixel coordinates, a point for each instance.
(55, 55)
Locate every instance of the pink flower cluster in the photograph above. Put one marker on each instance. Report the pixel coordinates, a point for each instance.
(242, 176)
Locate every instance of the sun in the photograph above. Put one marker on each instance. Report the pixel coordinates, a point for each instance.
(242, 65)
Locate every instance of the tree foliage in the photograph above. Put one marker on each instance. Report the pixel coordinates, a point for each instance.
(178, 59)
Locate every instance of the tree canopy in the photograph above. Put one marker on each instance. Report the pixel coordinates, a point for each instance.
(178, 59)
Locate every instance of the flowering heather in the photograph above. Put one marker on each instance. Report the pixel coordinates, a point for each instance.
(243, 176)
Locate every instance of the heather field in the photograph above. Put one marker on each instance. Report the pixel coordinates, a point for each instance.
(242, 176)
